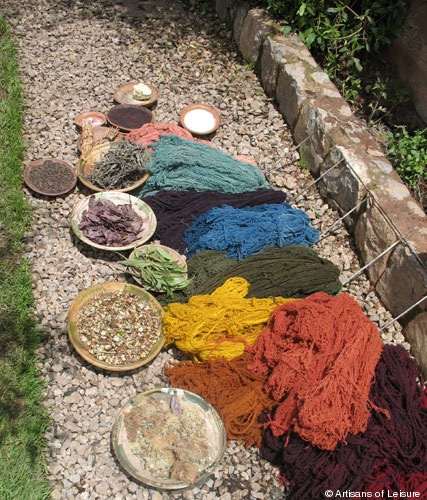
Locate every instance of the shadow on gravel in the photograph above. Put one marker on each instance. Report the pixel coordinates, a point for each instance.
(185, 18)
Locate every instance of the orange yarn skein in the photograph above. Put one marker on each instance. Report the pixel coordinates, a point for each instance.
(235, 393)
(319, 354)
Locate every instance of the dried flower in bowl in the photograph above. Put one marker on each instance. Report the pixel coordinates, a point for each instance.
(116, 326)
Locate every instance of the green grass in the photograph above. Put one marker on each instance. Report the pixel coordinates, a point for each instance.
(23, 419)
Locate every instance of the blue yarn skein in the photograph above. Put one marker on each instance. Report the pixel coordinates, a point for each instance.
(183, 165)
(244, 231)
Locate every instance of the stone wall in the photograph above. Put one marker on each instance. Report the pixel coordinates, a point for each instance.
(316, 113)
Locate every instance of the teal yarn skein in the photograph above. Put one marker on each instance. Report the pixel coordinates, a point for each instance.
(183, 165)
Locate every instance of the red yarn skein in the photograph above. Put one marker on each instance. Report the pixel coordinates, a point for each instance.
(319, 355)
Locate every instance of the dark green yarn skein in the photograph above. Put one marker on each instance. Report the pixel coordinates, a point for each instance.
(291, 271)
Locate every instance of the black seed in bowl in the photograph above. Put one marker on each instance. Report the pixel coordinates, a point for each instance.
(51, 177)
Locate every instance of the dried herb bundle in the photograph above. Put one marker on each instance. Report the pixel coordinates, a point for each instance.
(120, 167)
(157, 269)
(106, 223)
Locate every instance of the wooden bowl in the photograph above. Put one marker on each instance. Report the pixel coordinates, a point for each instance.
(129, 117)
(82, 299)
(86, 163)
(95, 117)
(124, 95)
(49, 191)
(180, 259)
(98, 134)
(199, 106)
(140, 207)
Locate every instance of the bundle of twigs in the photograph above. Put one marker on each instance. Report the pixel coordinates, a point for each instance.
(122, 165)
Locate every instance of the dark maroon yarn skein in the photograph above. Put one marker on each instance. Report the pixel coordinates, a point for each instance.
(400, 441)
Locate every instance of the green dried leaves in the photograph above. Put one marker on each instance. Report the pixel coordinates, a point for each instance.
(157, 269)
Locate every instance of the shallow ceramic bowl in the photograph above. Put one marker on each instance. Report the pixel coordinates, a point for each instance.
(204, 107)
(95, 117)
(45, 191)
(98, 134)
(129, 117)
(132, 464)
(141, 208)
(87, 162)
(96, 290)
(180, 260)
(124, 95)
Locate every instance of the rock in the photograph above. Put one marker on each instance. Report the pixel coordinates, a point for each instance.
(255, 29)
(408, 55)
(75, 478)
(222, 8)
(273, 52)
(290, 182)
(403, 268)
(102, 488)
(372, 235)
(241, 13)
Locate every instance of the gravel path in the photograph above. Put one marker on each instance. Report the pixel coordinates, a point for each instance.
(73, 55)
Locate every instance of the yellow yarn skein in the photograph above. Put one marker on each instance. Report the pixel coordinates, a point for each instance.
(220, 324)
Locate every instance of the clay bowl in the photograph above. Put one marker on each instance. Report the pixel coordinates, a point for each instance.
(123, 95)
(216, 438)
(140, 207)
(86, 164)
(47, 190)
(98, 134)
(180, 259)
(207, 110)
(95, 117)
(74, 335)
(129, 117)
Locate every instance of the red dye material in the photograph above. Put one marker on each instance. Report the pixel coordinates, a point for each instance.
(235, 393)
(390, 454)
(151, 132)
(319, 355)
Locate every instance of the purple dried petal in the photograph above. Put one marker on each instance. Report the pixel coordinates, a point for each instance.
(110, 224)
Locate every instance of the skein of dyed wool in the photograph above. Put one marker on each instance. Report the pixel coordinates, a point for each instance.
(235, 393)
(151, 132)
(369, 461)
(291, 271)
(184, 165)
(388, 481)
(175, 210)
(320, 355)
(219, 325)
(244, 231)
